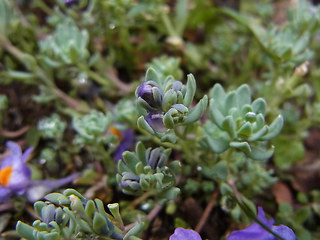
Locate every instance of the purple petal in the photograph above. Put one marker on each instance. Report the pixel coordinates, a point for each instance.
(257, 232)
(262, 217)
(154, 119)
(125, 144)
(5, 194)
(185, 234)
(284, 232)
(39, 188)
(14, 148)
(26, 154)
(20, 178)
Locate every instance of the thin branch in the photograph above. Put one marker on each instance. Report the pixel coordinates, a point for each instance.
(14, 134)
(207, 211)
(155, 211)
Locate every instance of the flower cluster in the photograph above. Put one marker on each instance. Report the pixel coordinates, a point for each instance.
(167, 102)
(146, 171)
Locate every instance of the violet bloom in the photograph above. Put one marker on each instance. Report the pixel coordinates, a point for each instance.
(150, 93)
(126, 141)
(14, 173)
(15, 177)
(155, 121)
(185, 234)
(70, 3)
(256, 232)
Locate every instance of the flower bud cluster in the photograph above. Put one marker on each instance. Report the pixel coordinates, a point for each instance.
(167, 102)
(146, 171)
(76, 216)
(237, 122)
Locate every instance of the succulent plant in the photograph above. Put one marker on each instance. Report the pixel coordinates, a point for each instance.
(167, 103)
(68, 45)
(237, 122)
(146, 171)
(70, 215)
(91, 127)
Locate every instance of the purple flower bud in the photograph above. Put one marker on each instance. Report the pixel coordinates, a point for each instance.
(150, 93)
(155, 158)
(256, 232)
(154, 119)
(185, 234)
(130, 180)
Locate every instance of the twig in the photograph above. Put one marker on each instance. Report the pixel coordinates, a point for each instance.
(139, 200)
(155, 211)
(68, 100)
(121, 85)
(14, 134)
(5, 206)
(207, 211)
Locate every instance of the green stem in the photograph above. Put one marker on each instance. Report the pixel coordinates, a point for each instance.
(167, 24)
(96, 77)
(44, 7)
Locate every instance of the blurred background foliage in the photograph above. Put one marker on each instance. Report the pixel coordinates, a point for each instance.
(68, 74)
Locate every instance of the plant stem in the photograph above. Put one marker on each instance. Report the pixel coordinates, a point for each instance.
(207, 211)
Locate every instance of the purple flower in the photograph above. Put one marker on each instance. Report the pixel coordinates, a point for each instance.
(150, 93)
(154, 119)
(14, 173)
(126, 141)
(256, 232)
(15, 177)
(185, 234)
(70, 3)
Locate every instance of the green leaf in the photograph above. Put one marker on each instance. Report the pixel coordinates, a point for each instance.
(190, 90)
(38, 207)
(130, 159)
(90, 209)
(168, 120)
(231, 101)
(274, 128)
(217, 139)
(243, 95)
(215, 114)
(170, 98)
(100, 225)
(152, 75)
(168, 137)
(196, 113)
(218, 93)
(143, 125)
(58, 198)
(171, 194)
(256, 136)
(136, 230)
(229, 125)
(260, 154)
(25, 230)
(219, 171)
(245, 131)
(141, 152)
(243, 146)
(259, 106)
